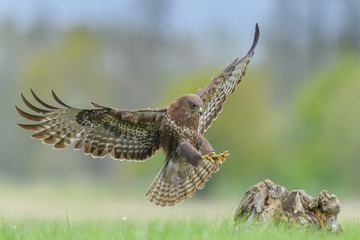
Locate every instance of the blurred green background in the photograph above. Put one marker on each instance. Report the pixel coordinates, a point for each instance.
(294, 119)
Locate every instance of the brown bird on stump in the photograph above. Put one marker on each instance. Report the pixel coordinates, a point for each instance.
(137, 135)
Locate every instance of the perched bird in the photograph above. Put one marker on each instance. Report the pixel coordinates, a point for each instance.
(137, 135)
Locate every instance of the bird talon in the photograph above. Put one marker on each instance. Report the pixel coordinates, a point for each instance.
(216, 159)
(208, 157)
(224, 154)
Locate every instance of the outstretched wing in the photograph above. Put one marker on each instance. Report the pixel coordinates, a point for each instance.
(130, 135)
(216, 92)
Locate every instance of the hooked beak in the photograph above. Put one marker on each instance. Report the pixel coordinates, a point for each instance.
(200, 111)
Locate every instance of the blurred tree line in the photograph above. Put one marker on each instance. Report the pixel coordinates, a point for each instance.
(294, 119)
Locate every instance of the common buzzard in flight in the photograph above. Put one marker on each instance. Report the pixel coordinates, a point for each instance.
(137, 135)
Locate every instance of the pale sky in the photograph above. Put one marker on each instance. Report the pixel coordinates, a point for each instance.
(189, 15)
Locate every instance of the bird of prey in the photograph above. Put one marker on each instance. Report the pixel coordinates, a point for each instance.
(135, 135)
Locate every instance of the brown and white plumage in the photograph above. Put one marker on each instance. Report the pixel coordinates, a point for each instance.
(130, 135)
(137, 135)
(219, 88)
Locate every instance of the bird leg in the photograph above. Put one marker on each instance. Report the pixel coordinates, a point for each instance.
(191, 154)
(216, 159)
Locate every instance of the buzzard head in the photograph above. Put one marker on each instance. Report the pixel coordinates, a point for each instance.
(186, 110)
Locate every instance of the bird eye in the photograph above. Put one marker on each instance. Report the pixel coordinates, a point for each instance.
(193, 105)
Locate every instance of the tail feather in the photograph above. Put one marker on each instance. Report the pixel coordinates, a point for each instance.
(189, 187)
(203, 176)
(195, 179)
(173, 195)
(181, 191)
(159, 197)
(157, 189)
(168, 190)
(210, 167)
(154, 183)
(163, 194)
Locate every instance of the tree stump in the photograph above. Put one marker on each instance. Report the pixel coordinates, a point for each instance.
(266, 201)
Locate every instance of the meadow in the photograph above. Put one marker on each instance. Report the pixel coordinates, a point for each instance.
(79, 212)
(191, 227)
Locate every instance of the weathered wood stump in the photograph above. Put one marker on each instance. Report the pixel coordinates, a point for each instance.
(266, 201)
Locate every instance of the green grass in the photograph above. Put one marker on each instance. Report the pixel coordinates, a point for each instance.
(184, 228)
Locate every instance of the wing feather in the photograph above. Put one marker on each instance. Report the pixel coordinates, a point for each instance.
(41, 102)
(122, 134)
(216, 92)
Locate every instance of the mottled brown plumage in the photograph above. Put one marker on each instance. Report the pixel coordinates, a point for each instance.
(137, 135)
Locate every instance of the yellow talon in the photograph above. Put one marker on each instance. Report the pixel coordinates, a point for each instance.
(216, 159)
(224, 154)
(210, 159)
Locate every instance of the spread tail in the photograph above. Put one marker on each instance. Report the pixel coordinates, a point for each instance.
(170, 189)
